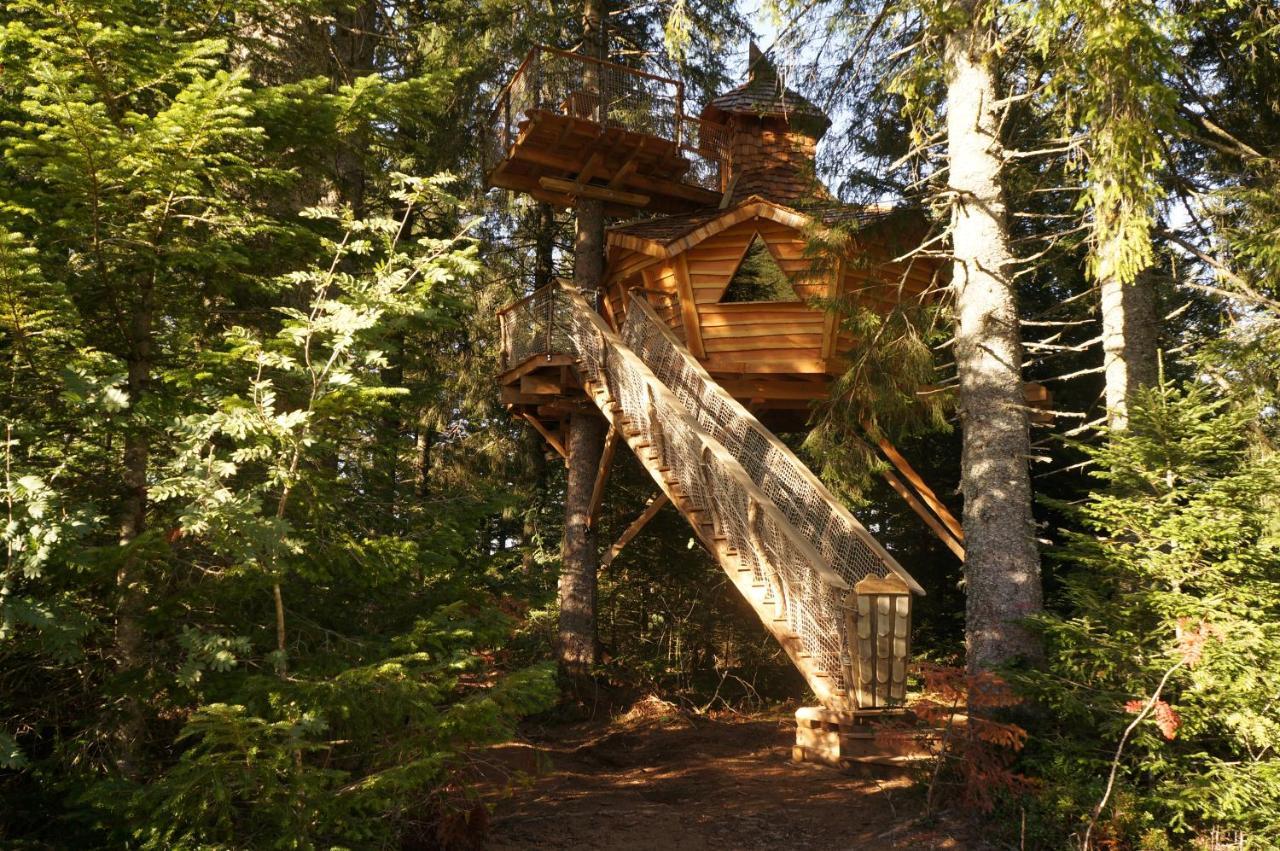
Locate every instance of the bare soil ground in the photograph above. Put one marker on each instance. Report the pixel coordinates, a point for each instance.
(657, 778)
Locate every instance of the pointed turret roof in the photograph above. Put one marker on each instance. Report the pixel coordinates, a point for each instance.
(764, 95)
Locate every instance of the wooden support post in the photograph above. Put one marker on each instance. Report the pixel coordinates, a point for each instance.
(602, 476)
(831, 322)
(689, 308)
(727, 198)
(654, 505)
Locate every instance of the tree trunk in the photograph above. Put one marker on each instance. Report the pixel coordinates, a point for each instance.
(425, 442)
(536, 468)
(586, 433)
(544, 246)
(1002, 565)
(578, 578)
(352, 43)
(1129, 330)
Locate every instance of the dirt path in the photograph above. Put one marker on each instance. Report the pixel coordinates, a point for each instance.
(656, 780)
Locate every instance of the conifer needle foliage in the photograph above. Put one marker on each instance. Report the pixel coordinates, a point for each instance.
(1173, 594)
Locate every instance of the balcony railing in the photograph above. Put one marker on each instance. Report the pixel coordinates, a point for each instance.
(610, 94)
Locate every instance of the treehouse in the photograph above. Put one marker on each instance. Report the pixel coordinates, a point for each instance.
(712, 319)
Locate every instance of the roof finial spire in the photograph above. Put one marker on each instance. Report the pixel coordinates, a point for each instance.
(759, 66)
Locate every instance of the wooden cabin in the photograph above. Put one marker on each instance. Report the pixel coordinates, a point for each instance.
(742, 290)
(730, 266)
(739, 281)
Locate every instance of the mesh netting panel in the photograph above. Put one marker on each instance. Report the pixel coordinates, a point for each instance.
(776, 470)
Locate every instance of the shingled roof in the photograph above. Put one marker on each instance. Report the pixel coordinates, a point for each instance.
(763, 95)
(664, 231)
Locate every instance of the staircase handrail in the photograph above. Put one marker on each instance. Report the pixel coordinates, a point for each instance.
(640, 307)
(761, 501)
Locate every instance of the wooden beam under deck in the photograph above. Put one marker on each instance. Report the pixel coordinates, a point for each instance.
(600, 193)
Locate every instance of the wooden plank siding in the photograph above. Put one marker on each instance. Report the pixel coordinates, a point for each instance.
(768, 340)
(713, 261)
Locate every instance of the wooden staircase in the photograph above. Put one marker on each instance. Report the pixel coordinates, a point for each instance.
(835, 601)
(831, 595)
(700, 518)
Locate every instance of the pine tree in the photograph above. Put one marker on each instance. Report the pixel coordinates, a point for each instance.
(1002, 567)
(1110, 98)
(1173, 570)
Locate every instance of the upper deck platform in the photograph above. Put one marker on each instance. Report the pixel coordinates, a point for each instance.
(569, 126)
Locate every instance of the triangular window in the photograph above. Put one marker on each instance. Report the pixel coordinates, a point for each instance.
(758, 277)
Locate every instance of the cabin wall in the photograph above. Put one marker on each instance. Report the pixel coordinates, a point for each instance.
(762, 336)
(713, 261)
(767, 338)
(872, 281)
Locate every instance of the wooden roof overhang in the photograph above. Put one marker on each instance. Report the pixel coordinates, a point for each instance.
(558, 158)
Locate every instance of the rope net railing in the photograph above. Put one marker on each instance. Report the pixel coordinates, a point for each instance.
(812, 509)
(740, 481)
(612, 95)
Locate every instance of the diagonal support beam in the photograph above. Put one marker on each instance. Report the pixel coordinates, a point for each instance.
(926, 493)
(546, 434)
(938, 529)
(602, 477)
(937, 517)
(655, 504)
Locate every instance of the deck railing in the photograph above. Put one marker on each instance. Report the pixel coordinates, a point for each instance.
(610, 94)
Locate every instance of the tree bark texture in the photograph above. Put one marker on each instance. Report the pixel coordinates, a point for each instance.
(577, 648)
(1002, 565)
(1129, 332)
(586, 431)
(544, 239)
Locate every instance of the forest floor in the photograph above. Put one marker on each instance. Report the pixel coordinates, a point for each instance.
(658, 778)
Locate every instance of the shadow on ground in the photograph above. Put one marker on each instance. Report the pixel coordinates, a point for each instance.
(658, 778)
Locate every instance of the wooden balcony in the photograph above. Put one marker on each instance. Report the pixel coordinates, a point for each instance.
(570, 126)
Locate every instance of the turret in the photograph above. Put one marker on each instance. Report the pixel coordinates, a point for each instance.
(773, 136)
